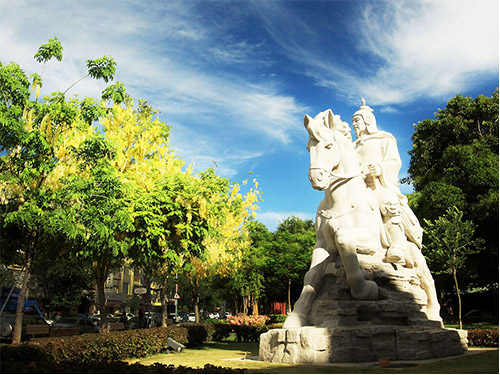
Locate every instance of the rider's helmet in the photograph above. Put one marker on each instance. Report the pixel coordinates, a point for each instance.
(368, 117)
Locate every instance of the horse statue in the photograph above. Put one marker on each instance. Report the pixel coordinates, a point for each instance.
(348, 221)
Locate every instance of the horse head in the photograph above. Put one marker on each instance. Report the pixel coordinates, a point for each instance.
(323, 148)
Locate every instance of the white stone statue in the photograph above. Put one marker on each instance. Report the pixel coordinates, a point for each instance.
(368, 293)
(363, 211)
(402, 234)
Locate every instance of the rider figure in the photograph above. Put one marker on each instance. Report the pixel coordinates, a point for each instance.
(380, 163)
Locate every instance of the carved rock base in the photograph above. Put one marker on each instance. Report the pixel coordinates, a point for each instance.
(342, 329)
(359, 344)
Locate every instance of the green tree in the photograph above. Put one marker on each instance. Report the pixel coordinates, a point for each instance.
(450, 243)
(34, 139)
(249, 280)
(454, 162)
(219, 247)
(294, 241)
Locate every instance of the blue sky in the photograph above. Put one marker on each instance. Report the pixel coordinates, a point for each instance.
(234, 79)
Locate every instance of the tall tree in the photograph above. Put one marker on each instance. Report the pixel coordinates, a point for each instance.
(294, 241)
(221, 243)
(454, 162)
(249, 280)
(451, 242)
(31, 135)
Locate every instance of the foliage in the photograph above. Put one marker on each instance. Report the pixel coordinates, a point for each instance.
(98, 353)
(294, 242)
(218, 329)
(277, 318)
(52, 48)
(64, 282)
(450, 243)
(114, 367)
(454, 162)
(483, 337)
(248, 328)
(249, 281)
(100, 347)
(245, 320)
(197, 334)
(36, 139)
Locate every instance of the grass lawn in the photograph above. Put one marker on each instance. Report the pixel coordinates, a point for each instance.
(221, 353)
(480, 325)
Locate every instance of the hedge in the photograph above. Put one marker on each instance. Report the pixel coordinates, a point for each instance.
(104, 352)
(102, 347)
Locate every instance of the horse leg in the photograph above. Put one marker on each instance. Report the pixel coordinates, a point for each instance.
(360, 288)
(312, 282)
(425, 277)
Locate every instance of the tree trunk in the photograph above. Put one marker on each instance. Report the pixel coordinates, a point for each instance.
(245, 305)
(236, 306)
(101, 276)
(289, 295)
(18, 325)
(459, 298)
(164, 308)
(196, 300)
(255, 302)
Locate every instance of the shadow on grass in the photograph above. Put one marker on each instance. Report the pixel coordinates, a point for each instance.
(229, 354)
(482, 363)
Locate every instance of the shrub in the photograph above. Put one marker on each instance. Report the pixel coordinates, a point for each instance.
(277, 318)
(197, 334)
(101, 347)
(219, 329)
(483, 337)
(248, 328)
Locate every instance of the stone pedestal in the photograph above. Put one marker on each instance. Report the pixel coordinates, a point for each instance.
(359, 344)
(342, 329)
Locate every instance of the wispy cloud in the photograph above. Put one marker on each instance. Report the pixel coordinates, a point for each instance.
(412, 49)
(184, 64)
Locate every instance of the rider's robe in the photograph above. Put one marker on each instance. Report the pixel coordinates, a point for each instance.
(381, 148)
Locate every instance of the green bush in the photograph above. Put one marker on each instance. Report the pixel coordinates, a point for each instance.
(248, 333)
(220, 330)
(101, 347)
(483, 337)
(276, 318)
(197, 334)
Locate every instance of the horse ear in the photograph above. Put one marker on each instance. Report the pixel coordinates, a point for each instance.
(307, 119)
(330, 119)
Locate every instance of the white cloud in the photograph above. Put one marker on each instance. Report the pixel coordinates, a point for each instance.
(395, 51)
(428, 48)
(171, 55)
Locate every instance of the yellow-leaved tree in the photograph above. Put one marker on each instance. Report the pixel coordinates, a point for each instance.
(226, 238)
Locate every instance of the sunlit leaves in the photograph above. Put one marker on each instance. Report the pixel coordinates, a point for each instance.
(103, 68)
(115, 93)
(91, 111)
(451, 241)
(49, 50)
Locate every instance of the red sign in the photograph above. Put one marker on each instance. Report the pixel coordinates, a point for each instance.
(177, 296)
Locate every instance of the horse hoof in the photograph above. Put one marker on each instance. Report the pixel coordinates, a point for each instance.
(295, 320)
(369, 292)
